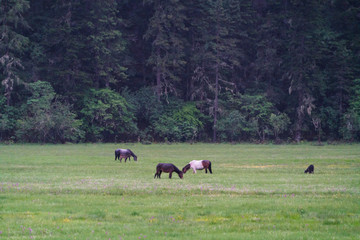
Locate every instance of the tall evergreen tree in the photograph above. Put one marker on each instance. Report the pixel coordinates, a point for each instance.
(106, 44)
(301, 58)
(63, 36)
(166, 32)
(13, 42)
(216, 53)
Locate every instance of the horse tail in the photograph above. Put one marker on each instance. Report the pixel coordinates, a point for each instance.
(210, 167)
(157, 173)
(116, 154)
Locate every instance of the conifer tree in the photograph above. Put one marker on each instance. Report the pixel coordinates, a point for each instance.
(301, 59)
(13, 42)
(105, 43)
(217, 52)
(166, 31)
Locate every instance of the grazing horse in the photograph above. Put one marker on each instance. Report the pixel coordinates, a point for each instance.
(198, 165)
(124, 153)
(310, 169)
(168, 168)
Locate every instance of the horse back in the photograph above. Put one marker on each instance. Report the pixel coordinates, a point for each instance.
(206, 163)
(167, 167)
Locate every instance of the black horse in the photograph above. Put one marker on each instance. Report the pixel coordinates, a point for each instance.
(168, 168)
(310, 169)
(124, 153)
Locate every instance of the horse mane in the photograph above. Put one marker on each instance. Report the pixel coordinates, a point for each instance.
(176, 169)
(132, 154)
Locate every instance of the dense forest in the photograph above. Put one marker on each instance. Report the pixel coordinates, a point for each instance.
(179, 70)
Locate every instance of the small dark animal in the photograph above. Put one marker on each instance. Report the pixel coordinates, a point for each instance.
(124, 153)
(198, 165)
(168, 168)
(310, 169)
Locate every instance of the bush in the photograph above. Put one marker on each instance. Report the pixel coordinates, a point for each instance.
(234, 126)
(279, 124)
(147, 110)
(8, 117)
(46, 118)
(106, 117)
(350, 129)
(179, 122)
(245, 117)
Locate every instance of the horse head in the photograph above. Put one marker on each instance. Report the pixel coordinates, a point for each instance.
(181, 174)
(187, 167)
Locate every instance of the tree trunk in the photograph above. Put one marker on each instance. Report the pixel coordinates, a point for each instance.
(158, 76)
(216, 103)
(300, 117)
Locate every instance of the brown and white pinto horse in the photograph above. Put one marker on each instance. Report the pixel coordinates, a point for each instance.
(168, 168)
(124, 153)
(198, 165)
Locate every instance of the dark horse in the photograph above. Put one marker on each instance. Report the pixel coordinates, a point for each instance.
(168, 168)
(198, 165)
(124, 153)
(310, 169)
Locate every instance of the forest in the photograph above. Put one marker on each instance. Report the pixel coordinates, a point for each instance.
(179, 71)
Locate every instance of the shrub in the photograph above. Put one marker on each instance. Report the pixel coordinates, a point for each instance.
(106, 117)
(46, 118)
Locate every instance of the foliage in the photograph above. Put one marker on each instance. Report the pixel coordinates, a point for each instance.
(8, 116)
(256, 110)
(166, 31)
(279, 123)
(46, 118)
(299, 58)
(13, 42)
(355, 101)
(179, 122)
(351, 126)
(351, 120)
(246, 117)
(233, 126)
(106, 116)
(106, 43)
(146, 109)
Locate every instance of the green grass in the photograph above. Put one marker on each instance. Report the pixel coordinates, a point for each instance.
(78, 191)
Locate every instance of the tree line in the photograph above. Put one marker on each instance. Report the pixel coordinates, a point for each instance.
(179, 70)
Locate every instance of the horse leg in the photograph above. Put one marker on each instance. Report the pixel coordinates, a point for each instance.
(170, 174)
(194, 170)
(205, 170)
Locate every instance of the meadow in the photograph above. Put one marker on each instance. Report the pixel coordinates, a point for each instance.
(78, 191)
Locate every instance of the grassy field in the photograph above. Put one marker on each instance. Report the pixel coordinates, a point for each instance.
(78, 191)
